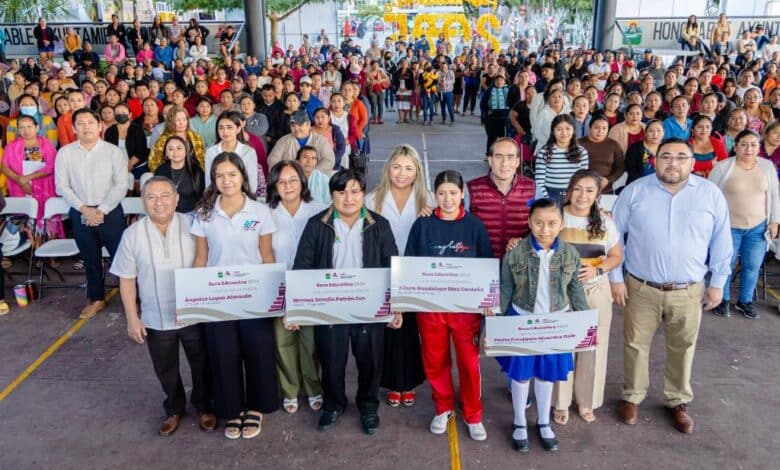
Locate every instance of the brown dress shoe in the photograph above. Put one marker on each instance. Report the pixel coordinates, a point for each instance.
(682, 420)
(208, 422)
(170, 425)
(628, 412)
(92, 309)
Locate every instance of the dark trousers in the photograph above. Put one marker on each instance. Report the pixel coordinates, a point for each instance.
(367, 348)
(91, 240)
(164, 351)
(470, 98)
(495, 127)
(243, 360)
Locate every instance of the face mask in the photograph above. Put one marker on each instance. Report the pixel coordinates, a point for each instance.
(28, 110)
(121, 118)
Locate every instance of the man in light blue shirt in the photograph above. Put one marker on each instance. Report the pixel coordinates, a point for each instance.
(678, 229)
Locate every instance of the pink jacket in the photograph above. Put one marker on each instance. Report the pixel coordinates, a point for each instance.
(144, 55)
(119, 57)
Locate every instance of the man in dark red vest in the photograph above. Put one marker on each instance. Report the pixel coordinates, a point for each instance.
(500, 198)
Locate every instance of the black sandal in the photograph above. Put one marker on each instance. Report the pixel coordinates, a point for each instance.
(233, 428)
(251, 425)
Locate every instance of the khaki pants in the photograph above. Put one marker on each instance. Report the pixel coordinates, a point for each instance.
(296, 360)
(680, 313)
(587, 380)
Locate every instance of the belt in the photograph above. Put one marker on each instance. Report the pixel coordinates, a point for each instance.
(666, 286)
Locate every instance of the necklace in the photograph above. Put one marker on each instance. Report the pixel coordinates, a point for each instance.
(176, 180)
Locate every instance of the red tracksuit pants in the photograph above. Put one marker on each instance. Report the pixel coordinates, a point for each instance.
(436, 329)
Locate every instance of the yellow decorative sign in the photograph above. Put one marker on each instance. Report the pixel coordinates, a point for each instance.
(482, 29)
(451, 25)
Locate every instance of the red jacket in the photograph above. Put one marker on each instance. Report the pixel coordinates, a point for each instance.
(704, 167)
(504, 216)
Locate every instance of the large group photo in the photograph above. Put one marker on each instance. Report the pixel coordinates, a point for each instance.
(435, 234)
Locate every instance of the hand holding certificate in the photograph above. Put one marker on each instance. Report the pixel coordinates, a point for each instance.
(458, 285)
(337, 296)
(229, 293)
(550, 333)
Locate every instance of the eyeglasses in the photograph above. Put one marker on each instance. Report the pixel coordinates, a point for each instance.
(668, 158)
(289, 182)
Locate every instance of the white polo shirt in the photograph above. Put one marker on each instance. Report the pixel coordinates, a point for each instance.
(289, 229)
(149, 257)
(235, 240)
(248, 156)
(348, 246)
(401, 220)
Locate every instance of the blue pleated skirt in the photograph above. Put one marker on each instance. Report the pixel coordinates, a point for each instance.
(549, 367)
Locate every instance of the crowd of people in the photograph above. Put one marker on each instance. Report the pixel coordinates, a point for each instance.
(245, 162)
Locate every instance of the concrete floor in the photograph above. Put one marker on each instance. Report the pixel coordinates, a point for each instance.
(95, 403)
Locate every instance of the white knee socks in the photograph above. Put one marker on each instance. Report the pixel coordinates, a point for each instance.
(519, 397)
(543, 391)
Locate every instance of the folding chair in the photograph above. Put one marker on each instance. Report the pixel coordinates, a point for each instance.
(21, 206)
(59, 248)
(130, 206)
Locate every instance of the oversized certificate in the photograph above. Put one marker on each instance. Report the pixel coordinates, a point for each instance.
(460, 285)
(335, 296)
(548, 333)
(229, 293)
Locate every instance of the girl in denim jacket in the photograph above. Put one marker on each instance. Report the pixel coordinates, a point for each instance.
(539, 276)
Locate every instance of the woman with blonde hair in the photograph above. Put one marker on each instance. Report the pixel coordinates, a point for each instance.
(177, 122)
(400, 198)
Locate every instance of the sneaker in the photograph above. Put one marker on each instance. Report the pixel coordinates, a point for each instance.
(439, 422)
(477, 431)
(722, 310)
(746, 309)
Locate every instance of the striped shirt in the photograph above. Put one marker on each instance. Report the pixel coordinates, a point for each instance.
(556, 171)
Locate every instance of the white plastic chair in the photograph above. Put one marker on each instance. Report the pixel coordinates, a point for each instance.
(130, 181)
(27, 206)
(133, 206)
(59, 248)
(144, 178)
(607, 201)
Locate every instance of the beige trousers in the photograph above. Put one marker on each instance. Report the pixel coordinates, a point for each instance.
(587, 380)
(680, 313)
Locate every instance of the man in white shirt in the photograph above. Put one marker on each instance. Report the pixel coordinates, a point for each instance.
(149, 253)
(91, 175)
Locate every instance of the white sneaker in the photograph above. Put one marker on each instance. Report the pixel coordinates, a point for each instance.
(439, 422)
(477, 431)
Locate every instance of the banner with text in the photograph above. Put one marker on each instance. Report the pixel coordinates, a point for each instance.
(335, 296)
(21, 41)
(229, 293)
(459, 285)
(663, 33)
(548, 333)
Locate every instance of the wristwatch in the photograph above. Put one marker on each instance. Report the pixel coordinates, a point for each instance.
(600, 271)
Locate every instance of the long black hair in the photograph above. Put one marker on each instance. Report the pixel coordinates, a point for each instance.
(448, 176)
(191, 165)
(206, 204)
(596, 227)
(235, 118)
(273, 199)
(573, 152)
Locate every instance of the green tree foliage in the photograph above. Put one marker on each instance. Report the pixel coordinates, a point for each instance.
(28, 11)
(276, 10)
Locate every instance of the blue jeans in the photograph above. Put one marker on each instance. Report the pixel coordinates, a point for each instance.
(750, 248)
(429, 106)
(446, 105)
(390, 97)
(555, 194)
